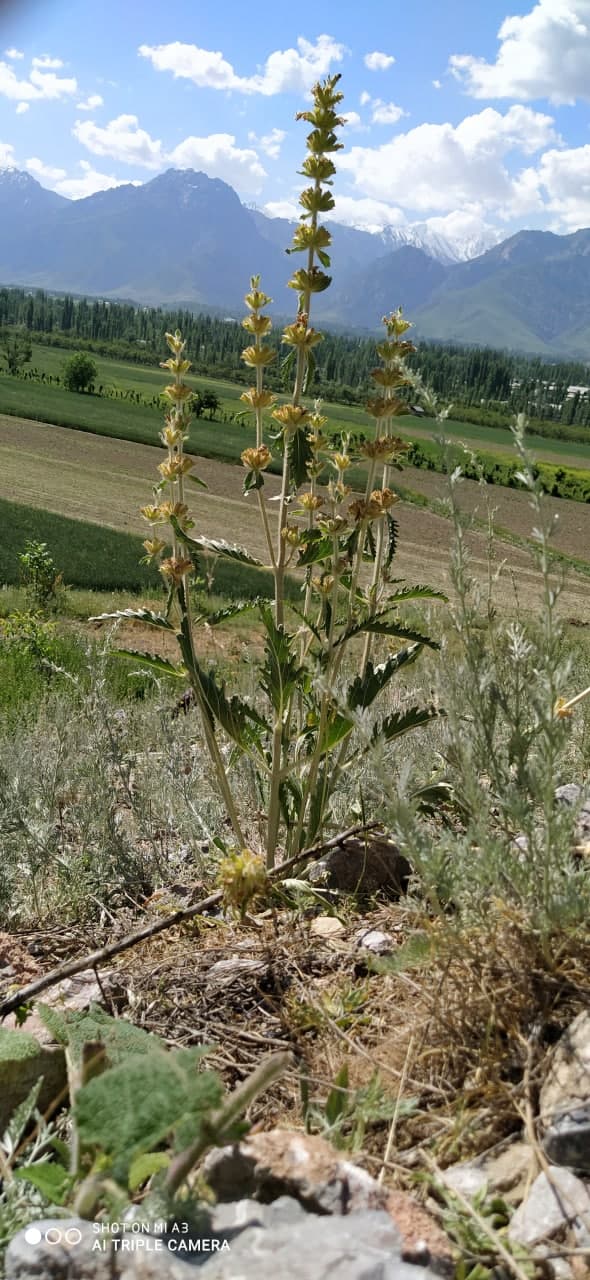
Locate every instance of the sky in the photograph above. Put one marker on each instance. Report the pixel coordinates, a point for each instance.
(471, 116)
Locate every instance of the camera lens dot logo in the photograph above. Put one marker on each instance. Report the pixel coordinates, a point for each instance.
(73, 1235)
(33, 1235)
(53, 1236)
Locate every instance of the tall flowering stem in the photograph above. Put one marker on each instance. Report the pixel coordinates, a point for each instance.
(313, 714)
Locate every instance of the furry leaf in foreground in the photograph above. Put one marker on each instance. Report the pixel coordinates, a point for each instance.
(131, 1109)
(74, 1030)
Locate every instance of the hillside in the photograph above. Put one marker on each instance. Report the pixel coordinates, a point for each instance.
(184, 238)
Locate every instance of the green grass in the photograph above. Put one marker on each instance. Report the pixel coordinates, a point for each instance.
(215, 440)
(89, 556)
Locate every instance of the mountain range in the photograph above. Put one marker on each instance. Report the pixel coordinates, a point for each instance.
(184, 239)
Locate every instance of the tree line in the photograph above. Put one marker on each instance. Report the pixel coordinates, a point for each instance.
(492, 384)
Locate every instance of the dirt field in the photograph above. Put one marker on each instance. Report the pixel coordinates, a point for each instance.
(97, 479)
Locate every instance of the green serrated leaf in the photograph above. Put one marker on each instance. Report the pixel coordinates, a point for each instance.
(215, 547)
(52, 1180)
(318, 548)
(364, 689)
(382, 624)
(280, 670)
(392, 531)
(147, 616)
(231, 611)
(152, 661)
(417, 592)
(401, 722)
(300, 454)
(253, 480)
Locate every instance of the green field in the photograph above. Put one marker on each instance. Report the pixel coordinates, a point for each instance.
(134, 422)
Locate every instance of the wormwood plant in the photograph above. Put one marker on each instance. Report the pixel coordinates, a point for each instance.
(300, 740)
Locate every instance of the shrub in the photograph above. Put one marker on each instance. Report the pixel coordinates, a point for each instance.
(80, 373)
(39, 574)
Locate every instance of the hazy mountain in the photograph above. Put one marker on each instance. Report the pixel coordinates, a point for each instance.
(186, 239)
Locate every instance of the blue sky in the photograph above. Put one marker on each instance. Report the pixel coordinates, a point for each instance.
(469, 115)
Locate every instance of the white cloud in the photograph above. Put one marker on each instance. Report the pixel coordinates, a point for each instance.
(367, 214)
(42, 170)
(122, 139)
(438, 167)
(437, 84)
(561, 182)
(364, 98)
(40, 85)
(90, 182)
(270, 143)
(218, 155)
(13, 53)
(285, 71)
(353, 120)
(282, 209)
(47, 63)
(386, 112)
(6, 155)
(378, 61)
(543, 54)
(21, 107)
(91, 103)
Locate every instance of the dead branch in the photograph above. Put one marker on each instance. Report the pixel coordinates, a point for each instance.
(95, 958)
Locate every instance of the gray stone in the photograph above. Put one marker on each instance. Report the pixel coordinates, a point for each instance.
(364, 1247)
(553, 1202)
(566, 1088)
(67, 1253)
(363, 867)
(567, 1141)
(270, 1241)
(24, 1058)
(381, 944)
(574, 796)
(283, 1163)
(504, 1172)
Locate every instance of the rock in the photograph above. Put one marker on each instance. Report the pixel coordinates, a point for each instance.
(326, 927)
(566, 1090)
(573, 796)
(552, 1203)
(364, 868)
(268, 1165)
(567, 1141)
(25, 1056)
(255, 1242)
(423, 1241)
(271, 1166)
(365, 1247)
(381, 944)
(505, 1173)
